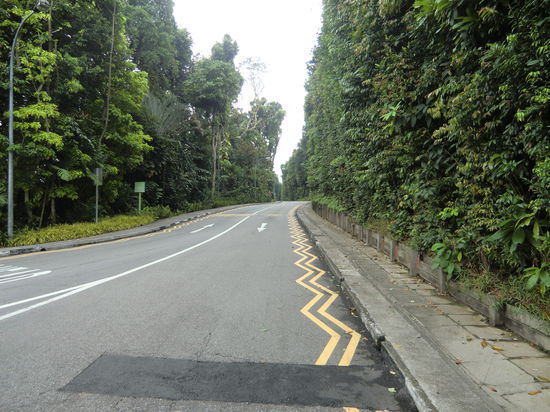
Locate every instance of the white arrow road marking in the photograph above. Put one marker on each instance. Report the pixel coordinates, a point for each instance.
(25, 276)
(5, 268)
(263, 227)
(62, 294)
(18, 273)
(15, 273)
(202, 228)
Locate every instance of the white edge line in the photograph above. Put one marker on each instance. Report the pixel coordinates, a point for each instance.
(80, 288)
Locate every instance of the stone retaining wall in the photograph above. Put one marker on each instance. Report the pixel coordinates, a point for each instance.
(524, 324)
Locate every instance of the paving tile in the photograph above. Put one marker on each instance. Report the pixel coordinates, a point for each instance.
(469, 320)
(497, 371)
(426, 286)
(518, 388)
(521, 350)
(490, 333)
(470, 351)
(530, 403)
(438, 300)
(435, 321)
(535, 366)
(423, 310)
(426, 292)
(411, 282)
(455, 309)
(497, 397)
(451, 334)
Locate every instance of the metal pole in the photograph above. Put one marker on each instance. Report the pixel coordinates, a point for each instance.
(96, 202)
(10, 129)
(139, 202)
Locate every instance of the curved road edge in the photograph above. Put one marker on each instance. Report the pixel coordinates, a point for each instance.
(153, 227)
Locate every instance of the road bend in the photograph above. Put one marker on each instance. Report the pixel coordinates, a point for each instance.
(230, 312)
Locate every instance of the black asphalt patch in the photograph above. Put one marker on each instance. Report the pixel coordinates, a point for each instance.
(267, 383)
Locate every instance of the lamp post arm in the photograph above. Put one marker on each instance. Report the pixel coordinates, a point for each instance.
(10, 128)
(12, 58)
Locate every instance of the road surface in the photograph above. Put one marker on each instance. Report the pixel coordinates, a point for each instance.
(229, 312)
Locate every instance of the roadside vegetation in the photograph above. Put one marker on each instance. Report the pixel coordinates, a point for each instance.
(431, 119)
(78, 230)
(68, 231)
(113, 84)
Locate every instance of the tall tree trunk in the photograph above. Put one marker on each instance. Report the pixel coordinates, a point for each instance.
(215, 144)
(53, 214)
(43, 209)
(109, 78)
(28, 208)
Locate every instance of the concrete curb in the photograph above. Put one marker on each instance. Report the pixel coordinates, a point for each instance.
(153, 227)
(430, 378)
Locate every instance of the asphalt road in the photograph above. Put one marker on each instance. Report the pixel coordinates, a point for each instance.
(230, 312)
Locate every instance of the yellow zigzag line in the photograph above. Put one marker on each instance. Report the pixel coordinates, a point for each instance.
(306, 263)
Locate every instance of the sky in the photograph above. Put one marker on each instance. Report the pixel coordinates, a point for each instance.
(281, 33)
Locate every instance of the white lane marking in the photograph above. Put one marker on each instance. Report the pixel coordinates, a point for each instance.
(202, 228)
(80, 288)
(26, 276)
(9, 268)
(18, 273)
(263, 227)
(47, 295)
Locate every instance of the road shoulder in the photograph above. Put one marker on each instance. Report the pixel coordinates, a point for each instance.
(433, 378)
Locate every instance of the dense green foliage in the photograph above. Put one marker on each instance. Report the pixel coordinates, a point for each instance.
(113, 84)
(434, 116)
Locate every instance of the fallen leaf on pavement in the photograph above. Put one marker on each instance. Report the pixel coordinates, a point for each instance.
(393, 372)
(469, 338)
(458, 361)
(484, 344)
(534, 392)
(495, 347)
(392, 390)
(493, 388)
(542, 378)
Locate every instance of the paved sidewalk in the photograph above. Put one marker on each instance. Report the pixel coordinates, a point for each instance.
(155, 226)
(451, 358)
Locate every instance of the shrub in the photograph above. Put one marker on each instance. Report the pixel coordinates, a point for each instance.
(78, 230)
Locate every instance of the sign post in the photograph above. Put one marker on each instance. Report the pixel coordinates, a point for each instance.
(98, 182)
(139, 188)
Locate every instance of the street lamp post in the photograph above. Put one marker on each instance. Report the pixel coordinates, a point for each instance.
(41, 5)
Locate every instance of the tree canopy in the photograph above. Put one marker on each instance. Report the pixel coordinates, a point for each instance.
(113, 84)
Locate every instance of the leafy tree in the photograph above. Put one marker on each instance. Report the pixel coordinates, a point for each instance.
(212, 86)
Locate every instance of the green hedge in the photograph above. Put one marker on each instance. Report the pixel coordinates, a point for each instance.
(78, 230)
(433, 116)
